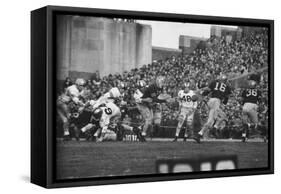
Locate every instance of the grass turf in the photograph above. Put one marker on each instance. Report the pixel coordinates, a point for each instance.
(89, 159)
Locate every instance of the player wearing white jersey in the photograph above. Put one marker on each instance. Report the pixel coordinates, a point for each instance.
(106, 105)
(110, 96)
(187, 106)
(138, 92)
(137, 96)
(72, 94)
(103, 116)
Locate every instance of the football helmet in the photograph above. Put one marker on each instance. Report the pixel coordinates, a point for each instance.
(223, 78)
(97, 113)
(114, 92)
(80, 82)
(252, 83)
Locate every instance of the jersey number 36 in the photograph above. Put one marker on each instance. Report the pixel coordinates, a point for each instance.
(252, 92)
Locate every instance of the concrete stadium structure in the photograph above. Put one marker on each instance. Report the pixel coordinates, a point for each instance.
(89, 44)
(230, 33)
(189, 43)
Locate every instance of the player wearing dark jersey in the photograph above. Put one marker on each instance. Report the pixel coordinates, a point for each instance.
(251, 95)
(148, 100)
(250, 98)
(219, 92)
(150, 94)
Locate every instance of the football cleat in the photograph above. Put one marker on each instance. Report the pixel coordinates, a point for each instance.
(197, 138)
(66, 138)
(77, 134)
(244, 139)
(142, 138)
(94, 139)
(176, 139)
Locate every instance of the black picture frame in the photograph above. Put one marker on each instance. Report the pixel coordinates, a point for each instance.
(43, 85)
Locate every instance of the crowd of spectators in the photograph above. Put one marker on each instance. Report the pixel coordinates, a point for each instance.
(218, 56)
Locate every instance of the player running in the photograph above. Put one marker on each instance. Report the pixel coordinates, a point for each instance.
(251, 97)
(146, 103)
(219, 92)
(188, 104)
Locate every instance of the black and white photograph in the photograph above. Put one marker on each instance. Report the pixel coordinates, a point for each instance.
(144, 97)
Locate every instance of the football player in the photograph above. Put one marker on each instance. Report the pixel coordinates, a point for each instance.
(187, 106)
(112, 95)
(72, 94)
(146, 103)
(125, 125)
(102, 117)
(251, 97)
(138, 92)
(63, 113)
(74, 91)
(220, 122)
(219, 91)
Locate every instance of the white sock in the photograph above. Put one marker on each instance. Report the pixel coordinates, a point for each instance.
(66, 132)
(83, 129)
(87, 127)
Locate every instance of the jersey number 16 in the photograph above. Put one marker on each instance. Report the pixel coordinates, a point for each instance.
(220, 86)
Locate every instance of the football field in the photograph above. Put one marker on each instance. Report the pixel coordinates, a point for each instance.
(89, 159)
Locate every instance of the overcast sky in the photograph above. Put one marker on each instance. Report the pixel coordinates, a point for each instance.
(166, 34)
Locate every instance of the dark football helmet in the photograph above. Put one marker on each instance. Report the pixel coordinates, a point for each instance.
(97, 113)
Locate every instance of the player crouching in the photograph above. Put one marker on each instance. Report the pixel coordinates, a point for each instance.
(188, 104)
(107, 123)
(104, 117)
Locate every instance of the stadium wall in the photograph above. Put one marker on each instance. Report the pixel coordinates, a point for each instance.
(189, 43)
(161, 53)
(89, 44)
